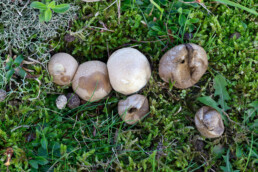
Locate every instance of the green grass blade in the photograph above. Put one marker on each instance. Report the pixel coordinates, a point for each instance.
(159, 8)
(238, 6)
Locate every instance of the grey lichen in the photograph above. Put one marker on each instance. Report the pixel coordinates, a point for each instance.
(21, 29)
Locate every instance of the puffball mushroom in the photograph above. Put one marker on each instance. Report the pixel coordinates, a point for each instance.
(184, 64)
(91, 81)
(61, 102)
(209, 122)
(62, 67)
(129, 70)
(133, 109)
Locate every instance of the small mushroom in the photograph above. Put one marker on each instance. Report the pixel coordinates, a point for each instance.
(184, 64)
(2, 95)
(133, 109)
(73, 100)
(91, 81)
(209, 122)
(62, 67)
(129, 70)
(61, 102)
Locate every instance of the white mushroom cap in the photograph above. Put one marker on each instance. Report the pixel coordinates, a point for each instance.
(91, 81)
(129, 70)
(62, 67)
(133, 109)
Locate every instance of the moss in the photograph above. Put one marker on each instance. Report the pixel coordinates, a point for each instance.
(93, 137)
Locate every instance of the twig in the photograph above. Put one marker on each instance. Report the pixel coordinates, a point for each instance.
(110, 5)
(25, 5)
(100, 28)
(149, 41)
(36, 61)
(118, 9)
(21, 126)
(10, 51)
(143, 149)
(28, 62)
(179, 110)
(229, 118)
(151, 10)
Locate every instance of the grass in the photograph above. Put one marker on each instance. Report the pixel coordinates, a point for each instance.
(92, 137)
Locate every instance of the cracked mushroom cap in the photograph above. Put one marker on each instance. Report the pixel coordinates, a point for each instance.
(129, 70)
(209, 122)
(91, 81)
(133, 109)
(62, 67)
(184, 64)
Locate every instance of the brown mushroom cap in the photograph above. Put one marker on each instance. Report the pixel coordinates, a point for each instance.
(209, 122)
(133, 109)
(184, 64)
(129, 70)
(91, 81)
(62, 67)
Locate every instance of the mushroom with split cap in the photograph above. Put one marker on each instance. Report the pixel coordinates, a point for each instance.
(133, 109)
(183, 65)
(209, 122)
(62, 67)
(91, 81)
(129, 70)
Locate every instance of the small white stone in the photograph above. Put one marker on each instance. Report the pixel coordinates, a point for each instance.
(61, 102)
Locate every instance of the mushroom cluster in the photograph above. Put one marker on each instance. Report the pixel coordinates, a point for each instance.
(127, 71)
